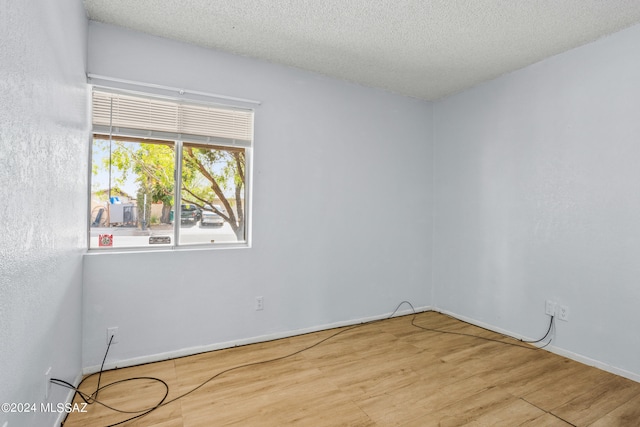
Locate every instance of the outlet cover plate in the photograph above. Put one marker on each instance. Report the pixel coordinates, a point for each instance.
(563, 313)
(47, 383)
(550, 307)
(112, 331)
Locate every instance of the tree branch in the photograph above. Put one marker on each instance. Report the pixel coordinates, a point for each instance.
(214, 186)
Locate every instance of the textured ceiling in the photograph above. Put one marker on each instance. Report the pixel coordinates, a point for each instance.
(422, 48)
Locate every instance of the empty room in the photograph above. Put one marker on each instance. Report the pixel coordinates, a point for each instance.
(323, 213)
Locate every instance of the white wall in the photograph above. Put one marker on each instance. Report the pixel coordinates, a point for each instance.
(538, 197)
(324, 250)
(44, 131)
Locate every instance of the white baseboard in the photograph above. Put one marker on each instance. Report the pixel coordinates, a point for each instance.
(123, 363)
(553, 349)
(595, 363)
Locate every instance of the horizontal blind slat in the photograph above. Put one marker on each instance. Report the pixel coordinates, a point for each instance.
(148, 114)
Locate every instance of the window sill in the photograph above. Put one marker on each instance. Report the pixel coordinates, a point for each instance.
(182, 248)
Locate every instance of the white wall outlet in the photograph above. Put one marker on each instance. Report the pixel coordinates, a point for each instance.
(259, 303)
(47, 382)
(113, 331)
(550, 307)
(563, 313)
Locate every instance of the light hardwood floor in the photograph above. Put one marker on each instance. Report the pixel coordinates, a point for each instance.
(386, 373)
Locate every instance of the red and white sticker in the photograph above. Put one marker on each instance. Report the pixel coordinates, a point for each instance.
(105, 240)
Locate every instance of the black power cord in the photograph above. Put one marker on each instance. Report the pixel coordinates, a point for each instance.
(95, 394)
(92, 398)
(551, 323)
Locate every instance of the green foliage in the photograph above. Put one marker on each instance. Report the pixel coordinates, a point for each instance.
(152, 165)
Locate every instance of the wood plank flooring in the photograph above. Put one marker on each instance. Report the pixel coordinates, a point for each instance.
(386, 373)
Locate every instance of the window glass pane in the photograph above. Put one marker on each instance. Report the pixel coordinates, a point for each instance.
(132, 188)
(213, 194)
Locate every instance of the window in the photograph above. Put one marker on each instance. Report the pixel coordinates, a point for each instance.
(149, 152)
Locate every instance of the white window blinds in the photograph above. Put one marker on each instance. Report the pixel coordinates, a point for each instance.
(148, 117)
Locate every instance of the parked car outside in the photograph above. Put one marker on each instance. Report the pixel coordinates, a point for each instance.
(212, 218)
(190, 214)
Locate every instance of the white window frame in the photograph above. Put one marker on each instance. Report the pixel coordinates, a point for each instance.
(201, 99)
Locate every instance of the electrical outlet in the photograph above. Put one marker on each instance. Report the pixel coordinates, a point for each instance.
(112, 332)
(47, 383)
(259, 303)
(563, 313)
(550, 307)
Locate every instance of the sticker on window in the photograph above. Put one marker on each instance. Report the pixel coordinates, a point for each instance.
(105, 240)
